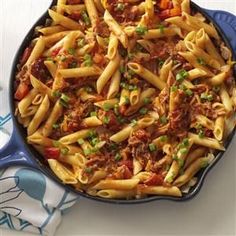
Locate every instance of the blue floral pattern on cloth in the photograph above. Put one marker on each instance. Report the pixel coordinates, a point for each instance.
(25, 191)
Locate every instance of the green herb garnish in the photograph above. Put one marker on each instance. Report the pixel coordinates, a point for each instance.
(88, 60)
(80, 141)
(85, 18)
(181, 75)
(118, 157)
(152, 147)
(163, 119)
(141, 30)
(201, 61)
(143, 111)
(71, 51)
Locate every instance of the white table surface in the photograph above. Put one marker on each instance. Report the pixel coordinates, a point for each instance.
(212, 212)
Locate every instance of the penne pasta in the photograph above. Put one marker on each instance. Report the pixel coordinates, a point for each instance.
(147, 75)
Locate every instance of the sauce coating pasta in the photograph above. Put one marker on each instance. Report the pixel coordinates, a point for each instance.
(126, 99)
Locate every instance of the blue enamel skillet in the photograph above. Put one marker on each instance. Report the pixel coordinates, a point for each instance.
(18, 152)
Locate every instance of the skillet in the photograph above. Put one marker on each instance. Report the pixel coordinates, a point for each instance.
(18, 152)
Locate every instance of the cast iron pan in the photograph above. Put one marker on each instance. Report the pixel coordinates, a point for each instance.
(18, 152)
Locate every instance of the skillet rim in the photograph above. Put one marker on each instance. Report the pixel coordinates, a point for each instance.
(42, 164)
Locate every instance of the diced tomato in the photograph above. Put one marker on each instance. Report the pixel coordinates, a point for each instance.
(22, 91)
(128, 163)
(175, 11)
(122, 109)
(55, 52)
(98, 58)
(155, 179)
(127, 174)
(73, 2)
(75, 16)
(52, 153)
(26, 55)
(164, 4)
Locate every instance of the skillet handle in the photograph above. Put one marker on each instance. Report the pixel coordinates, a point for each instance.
(14, 153)
(226, 22)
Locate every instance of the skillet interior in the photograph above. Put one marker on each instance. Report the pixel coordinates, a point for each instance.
(42, 164)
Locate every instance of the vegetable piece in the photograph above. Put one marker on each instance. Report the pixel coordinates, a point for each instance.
(52, 153)
(154, 179)
(141, 30)
(22, 91)
(152, 147)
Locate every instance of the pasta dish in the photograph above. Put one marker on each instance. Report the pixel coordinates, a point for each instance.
(126, 99)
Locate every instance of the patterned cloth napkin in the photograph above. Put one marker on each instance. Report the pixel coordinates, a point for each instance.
(26, 199)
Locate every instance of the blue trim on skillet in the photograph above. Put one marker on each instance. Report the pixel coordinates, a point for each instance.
(226, 25)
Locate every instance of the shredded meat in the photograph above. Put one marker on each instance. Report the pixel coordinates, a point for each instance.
(179, 119)
(138, 143)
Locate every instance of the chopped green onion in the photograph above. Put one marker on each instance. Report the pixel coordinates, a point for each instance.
(80, 141)
(201, 134)
(133, 122)
(118, 157)
(56, 93)
(93, 113)
(88, 60)
(85, 18)
(55, 143)
(87, 152)
(88, 170)
(71, 51)
(161, 27)
(201, 61)
(188, 92)
(120, 7)
(152, 147)
(88, 89)
(174, 88)
(185, 142)
(183, 150)
(122, 69)
(113, 146)
(49, 59)
(180, 162)
(95, 141)
(141, 30)
(92, 134)
(174, 157)
(121, 119)
(107, 107)
(204, 164)
(161, 62)
(143, 111)
(81, 43)
(106, 120)
(132, 87)
(55, 126)
(163, 138)
(181, 75)
(207, 97)
(63, 58)
(146, 101)
(63, 103)
(130, 56)
(127, 101)
(116, 109)
(64, 151)
(65, 98)
(163, 119)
